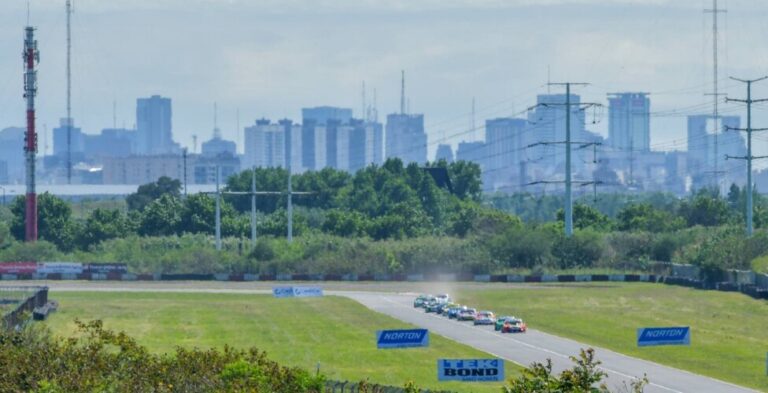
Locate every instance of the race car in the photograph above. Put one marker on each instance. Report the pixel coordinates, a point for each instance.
(442, 309)
(500, 322)
(421, 301)
(485, 318)
(453, 312)
(514, 325)
(432, 306)
(467, 314)
(444, 298)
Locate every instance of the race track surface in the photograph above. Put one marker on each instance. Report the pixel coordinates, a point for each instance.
(535, 346)
(524, 349)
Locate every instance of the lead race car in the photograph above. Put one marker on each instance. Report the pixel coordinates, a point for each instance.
(421, 301)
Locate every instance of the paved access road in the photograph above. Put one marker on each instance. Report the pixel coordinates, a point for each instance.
(535, 346)
(524, 349)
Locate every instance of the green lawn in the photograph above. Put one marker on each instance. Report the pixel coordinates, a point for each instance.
(336, 332)
(729, 334)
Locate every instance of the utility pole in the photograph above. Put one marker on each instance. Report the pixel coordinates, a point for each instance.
(69, 91)
(715, 92)
(253, 207)
(749, 157)
(218, 210)
(568, 208)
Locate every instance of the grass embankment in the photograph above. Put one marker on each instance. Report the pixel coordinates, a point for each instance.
(336, 332)
(729, 338)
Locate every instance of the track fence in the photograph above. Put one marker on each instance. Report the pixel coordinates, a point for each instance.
(17, 303)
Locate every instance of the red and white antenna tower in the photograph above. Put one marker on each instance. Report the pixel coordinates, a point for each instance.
(31, 58)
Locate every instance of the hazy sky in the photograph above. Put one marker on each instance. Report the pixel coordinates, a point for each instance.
(270, 58)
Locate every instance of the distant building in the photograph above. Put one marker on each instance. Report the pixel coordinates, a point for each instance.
(266, 143)
(112, 142)
(506, 140)
(12, 153)
(707, 152)
(358, 145)
(77, 140)
(405, 138)
(146, 169)
(444, 152)
(472, 151)
(153, 120)
(217, 146)
(547, 124)
(629, 122)
(319, 135)
(4, 172)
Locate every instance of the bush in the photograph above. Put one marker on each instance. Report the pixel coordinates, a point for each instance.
(583, 249)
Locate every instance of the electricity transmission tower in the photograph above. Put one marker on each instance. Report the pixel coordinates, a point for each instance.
(69, 91)
(568, 209)
(253, 193)
(715, 92)
(749, 157)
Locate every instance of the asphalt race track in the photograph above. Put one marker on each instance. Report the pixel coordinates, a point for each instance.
(524, 349)
(537, 346)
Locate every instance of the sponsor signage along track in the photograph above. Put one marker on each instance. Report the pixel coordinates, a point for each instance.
(653, 336)
(470, 370)
(283, 292)
(407, 338)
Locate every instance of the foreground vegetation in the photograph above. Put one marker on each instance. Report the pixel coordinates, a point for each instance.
(388, 220)
(336, 334)
(728, 336)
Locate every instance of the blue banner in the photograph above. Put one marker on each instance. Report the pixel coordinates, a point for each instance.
(470, 370)
(307, 291)
(281, 292)
(664, 336)
(402, 338)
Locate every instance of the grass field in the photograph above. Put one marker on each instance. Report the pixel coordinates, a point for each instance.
(336, 332)
(729, 338)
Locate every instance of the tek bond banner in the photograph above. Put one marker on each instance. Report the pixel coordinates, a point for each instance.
(386, 339)
(470, 370)
(663, 336)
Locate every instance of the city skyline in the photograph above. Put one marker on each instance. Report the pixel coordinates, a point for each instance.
(656, 46)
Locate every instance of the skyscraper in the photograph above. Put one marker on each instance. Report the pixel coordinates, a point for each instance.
(153, 121)
(267, 144)
(405, 138)
(629, 122)
(505, 140)
(319, 135)
(444, 152)
(704, 151)
(547, 124)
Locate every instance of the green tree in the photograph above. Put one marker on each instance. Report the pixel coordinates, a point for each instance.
(198, 215)
(644, 217)
(583, 249)
(101, 225)
(152, 191)
(161, 217)
(705, 208)
(466, 180)
(54, 224)
(345, 223)
(585, 216)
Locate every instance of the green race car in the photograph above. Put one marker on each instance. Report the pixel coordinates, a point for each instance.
(500, 322)
(422, 301)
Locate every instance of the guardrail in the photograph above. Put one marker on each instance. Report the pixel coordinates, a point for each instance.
(33, 297)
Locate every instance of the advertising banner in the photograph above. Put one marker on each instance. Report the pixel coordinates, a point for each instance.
(18, 267)
(663, 336)
(402, 338)
(59, 267)
(282, 292)
(470, 370)
(307, 291)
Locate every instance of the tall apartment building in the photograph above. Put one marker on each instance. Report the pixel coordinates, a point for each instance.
(629, 122)
(405, 138)
(707, 152)
(270, 144)
(153, 122)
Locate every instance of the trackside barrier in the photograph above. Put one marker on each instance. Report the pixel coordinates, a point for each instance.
(415, 277)
(353, 387)
(515, 278)
(549, 278)
(482, 278)
(583, 277)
